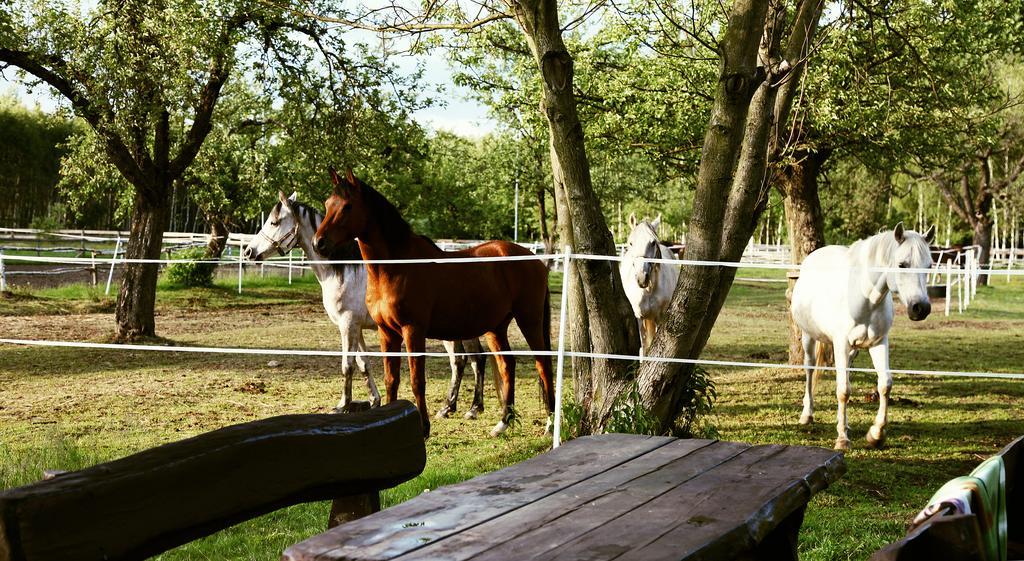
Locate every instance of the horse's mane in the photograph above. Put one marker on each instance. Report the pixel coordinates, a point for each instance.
(881, 246)
(393, 227)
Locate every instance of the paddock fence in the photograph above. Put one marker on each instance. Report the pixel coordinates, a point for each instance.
(966, 279)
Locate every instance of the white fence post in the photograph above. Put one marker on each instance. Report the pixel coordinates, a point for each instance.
(240, 258)
(949, 283)
(113, 260)
(290, 266)
(969, 279)
(561, 349)
(3, 273)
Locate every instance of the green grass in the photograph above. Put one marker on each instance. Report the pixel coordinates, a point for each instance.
(67, 408)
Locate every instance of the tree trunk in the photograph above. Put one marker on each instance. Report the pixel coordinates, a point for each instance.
(981, 229)
(137, 298)
(798, 182)
(608, 314)
(218, 237)
(663, 385)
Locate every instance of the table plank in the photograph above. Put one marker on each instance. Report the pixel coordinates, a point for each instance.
(443, 512)
(563, 516)
(719, 513)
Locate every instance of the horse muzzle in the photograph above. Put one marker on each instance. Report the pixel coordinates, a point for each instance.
(321, 244)
(919, 310)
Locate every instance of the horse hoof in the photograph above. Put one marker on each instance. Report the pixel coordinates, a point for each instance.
(499, 429)
(353, 407)
(426, 428)
(876, 440)
(842, 443)
(472, 414)
(806, 419)
(443, 413)
(549, 427)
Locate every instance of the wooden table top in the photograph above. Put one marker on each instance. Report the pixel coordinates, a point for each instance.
(602, 497)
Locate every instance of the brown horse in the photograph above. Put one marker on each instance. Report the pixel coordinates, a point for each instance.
(415, 301)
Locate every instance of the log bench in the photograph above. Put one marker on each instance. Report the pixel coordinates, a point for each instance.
(163, 497)
(623, 497)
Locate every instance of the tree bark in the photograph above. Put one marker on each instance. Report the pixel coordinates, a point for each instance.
(218, 236)
(798, 182)
(137, 297)
(607, 312)
(661, 385)
(981, 231)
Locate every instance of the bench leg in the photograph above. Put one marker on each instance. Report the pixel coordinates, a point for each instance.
(352, 507)
(780, 544)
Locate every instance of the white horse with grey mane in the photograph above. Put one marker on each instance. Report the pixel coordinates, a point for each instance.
(343, 287)
(648, 285)
(844, 298)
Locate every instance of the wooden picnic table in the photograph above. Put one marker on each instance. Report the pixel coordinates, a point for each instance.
(612, 496)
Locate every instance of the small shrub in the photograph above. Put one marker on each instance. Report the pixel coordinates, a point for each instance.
(698, 405)
(630, 416)
(190, 274)
(572, 418)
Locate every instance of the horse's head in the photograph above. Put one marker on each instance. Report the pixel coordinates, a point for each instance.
(912, 253)
(279, 233)
(643, 243)
(345, 219)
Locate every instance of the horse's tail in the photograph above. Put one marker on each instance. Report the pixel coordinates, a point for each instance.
(547, 319)
(824, 355)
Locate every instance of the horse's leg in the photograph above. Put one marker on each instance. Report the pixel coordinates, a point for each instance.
(650, 327)
(371, 384)
(807, 417)
(842, 358)
(534, 334)
(391, 341)
(479, 364)
(880, 359)
(415, 342)
(458, 364)
(497, 341)
(643, 337)
(345, 327)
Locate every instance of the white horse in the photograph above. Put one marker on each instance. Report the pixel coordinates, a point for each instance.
(648, 286)
(840, 300)
(343, 287)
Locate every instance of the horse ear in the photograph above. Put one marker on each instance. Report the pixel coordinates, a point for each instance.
(282, 198)
(351, 177)
(898, 232)
(929, 236)
(295, 196)
(335, 180)
(656, 222)
(632, 220)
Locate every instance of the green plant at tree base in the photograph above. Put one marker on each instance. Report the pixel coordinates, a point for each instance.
(629, 415)
(190, 274)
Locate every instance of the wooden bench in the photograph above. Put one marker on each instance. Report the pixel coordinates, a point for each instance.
(604, 497)
(951, 536)
(160, 498)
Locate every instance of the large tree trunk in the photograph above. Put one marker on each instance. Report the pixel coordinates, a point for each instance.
(218, 236)
(702, 292)
(662, 386)
(137, 298)
(798, 182)
(607, 312)
(981, 228)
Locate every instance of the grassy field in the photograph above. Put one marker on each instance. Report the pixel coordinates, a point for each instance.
(68, 408)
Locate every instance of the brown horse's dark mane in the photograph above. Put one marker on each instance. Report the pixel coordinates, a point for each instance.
(395, 230)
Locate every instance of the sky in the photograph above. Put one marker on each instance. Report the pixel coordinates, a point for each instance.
(459, 114)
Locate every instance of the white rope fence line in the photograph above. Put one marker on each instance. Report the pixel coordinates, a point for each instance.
(457, 260)
(514, 353)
